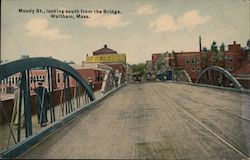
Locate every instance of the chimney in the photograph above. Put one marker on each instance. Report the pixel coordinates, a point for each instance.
(234, 42)
(105, 46)
(200, 42)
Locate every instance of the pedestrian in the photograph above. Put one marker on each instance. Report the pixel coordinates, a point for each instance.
(41, 104)
(90, 83)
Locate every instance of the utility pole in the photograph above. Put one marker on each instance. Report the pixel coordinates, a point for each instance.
(0, 49)
(200, 42)
(0, 32)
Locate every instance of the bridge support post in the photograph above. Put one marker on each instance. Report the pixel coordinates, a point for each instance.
(52, 103)
(20, 98)
(27, 108)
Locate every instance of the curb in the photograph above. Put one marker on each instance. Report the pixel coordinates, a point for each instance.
(215, 87)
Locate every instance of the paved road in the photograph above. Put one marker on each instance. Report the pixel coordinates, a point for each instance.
(156, 120)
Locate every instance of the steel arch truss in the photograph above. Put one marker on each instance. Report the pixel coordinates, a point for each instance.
(22, 65)
(73, 94)
(110, 82)
(218, 76)
(181, 75)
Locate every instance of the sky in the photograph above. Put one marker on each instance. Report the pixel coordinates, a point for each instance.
(143, 27)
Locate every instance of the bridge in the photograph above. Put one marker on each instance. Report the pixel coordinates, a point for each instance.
(155, 120)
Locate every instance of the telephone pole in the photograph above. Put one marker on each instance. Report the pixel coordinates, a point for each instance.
(0, 32)
(200, 42)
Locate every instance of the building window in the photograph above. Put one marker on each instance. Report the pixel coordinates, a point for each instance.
(193, 69)
(193, 60)
(198, 69)
(198, 60)
(187, 60)
(229, 68)
(13, 80)
(16, 79)
(58, 78)
(226, 58)
(230, 59)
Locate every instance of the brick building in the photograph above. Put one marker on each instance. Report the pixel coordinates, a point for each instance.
(233, 59)
(194, 62)
(149, 65)
(191, 62)
(110, 58)
(155, 57)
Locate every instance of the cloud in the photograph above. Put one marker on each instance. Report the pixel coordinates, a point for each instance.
(192, 19)
(189, 20)
(164, 23)
(106, 21)
(145, 10)
(38, 27)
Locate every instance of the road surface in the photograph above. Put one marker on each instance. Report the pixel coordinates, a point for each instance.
(155, 121)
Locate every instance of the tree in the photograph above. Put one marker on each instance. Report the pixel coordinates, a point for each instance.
(71, 62)
(214, 47)
(25, 56)
(139, 68)
(221, 56)
(204, 56)
(214, 52)
(222, 47)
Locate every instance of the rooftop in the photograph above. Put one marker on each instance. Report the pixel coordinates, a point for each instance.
(244, 70)
(104, 50)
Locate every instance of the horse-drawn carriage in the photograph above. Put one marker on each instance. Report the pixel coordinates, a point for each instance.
(136, 77)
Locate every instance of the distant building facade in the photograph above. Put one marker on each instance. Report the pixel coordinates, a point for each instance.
(155, 57)
(194, 62)
(110, 58)
(149, 65)
(235, 59)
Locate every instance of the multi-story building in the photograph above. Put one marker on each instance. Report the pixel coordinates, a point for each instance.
(110, 58)
(191, 62)
(234, 59)
(155, 57)
(149, 65)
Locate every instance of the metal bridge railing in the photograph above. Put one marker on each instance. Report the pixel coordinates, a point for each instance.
(218, 76)
(37, 103)
(210, 76)
(181, 75)
(110, 82)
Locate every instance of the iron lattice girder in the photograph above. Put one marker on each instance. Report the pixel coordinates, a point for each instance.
(14, 67)
(110, 75)
(224, 72)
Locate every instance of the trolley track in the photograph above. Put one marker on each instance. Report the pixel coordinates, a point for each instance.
(142, 121)
(203, 124)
